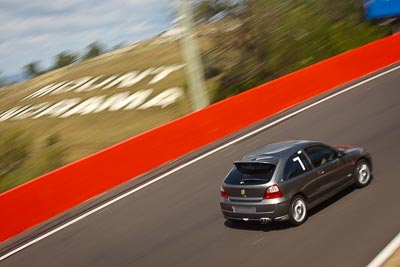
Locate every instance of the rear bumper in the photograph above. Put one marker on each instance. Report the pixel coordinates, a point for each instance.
(262, 219)
(263, 211)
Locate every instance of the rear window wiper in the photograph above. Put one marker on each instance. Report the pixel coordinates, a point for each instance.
(252, 180)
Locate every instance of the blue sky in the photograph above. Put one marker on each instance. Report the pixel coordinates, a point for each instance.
(37, 30)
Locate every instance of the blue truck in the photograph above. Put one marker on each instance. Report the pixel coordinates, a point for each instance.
(381, 9)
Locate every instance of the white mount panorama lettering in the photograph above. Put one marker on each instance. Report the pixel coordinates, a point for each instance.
(120, 101)
(88, 83)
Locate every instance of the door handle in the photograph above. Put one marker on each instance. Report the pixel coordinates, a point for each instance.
(320, 172)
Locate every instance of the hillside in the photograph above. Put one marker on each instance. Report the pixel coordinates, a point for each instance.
(92, 105)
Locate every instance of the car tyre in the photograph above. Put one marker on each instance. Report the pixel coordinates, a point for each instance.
(298, 212)
(362, 173)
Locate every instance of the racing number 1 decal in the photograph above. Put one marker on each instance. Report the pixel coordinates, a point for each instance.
(300, 162)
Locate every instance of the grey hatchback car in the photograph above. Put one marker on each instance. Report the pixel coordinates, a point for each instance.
(283, 180)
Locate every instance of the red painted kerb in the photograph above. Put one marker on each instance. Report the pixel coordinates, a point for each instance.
(41, 199)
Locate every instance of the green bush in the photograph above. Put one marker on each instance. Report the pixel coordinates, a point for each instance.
(19, 162)
(15, 147)
(53, 158)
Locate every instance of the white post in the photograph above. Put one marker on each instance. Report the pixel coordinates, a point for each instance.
(193, 67)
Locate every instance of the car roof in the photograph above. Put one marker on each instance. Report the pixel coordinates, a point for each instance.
(271, 153)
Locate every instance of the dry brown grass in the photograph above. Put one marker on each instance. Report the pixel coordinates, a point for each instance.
(84, 135)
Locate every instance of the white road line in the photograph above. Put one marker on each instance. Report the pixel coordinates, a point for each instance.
(385, 254)
(257, 241)
(262, 128)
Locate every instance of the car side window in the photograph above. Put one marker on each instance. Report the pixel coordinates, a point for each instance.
(320, 155)
(296, 165)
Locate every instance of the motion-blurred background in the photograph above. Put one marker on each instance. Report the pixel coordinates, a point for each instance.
(145, 63)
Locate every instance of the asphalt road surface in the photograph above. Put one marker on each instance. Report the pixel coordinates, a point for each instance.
(177, 221)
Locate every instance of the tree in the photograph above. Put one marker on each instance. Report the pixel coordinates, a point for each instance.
(206, 9)
(32, 69)
(93, 50)
(14, 150)
(118, 46)
(277, 37)
(65, 58)
(2, 82)
(53, 154)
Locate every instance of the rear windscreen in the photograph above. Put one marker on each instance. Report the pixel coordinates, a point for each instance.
(250, 173)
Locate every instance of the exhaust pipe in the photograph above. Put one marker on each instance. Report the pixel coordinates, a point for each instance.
(265, 220)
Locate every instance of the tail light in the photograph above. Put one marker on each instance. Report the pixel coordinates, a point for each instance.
(223, 193)
(272, 191)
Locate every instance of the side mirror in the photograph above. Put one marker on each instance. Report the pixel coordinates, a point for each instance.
(340, 154)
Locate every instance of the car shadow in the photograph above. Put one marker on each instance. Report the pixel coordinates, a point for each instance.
(331, 200)
(256, 226)
(277, 226)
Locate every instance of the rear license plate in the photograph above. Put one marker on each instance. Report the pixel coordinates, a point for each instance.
(244, 209)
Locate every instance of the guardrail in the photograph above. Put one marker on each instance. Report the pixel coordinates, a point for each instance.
(46, 196)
